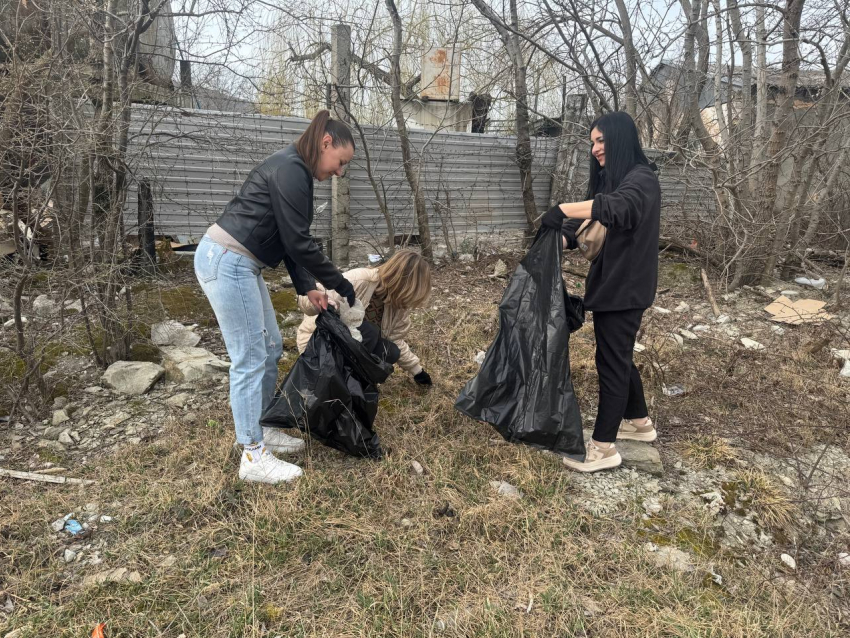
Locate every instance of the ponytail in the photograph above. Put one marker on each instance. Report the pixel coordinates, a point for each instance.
(309, 143)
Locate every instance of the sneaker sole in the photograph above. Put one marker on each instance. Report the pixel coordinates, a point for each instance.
(646, 437)
(605, 464)
(259, 479)
(284, 449)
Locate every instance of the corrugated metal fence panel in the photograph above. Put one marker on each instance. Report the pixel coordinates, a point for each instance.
(196, 161)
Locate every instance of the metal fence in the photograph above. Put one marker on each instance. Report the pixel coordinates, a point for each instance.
(196, 160)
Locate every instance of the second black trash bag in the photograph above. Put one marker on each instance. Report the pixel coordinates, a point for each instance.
(524, 388)
(331, 392)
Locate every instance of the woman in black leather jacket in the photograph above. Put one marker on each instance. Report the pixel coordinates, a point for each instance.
(268, 221)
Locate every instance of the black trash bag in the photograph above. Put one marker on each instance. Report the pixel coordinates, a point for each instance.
(331, 392)
(524, 388)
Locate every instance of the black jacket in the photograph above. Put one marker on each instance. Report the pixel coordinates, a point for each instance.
(624, 275)
(271, 216)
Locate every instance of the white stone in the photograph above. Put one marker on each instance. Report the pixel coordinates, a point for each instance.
(173, 333)
(639, 347)
(58, 525)
(723, 319)
(777, 329)
(677, 338)
(788, 561)
(749, 344)
(652, 506)
(11, 322)
(65, 438)
(845, 371)
(466, 257)
(687, 334)
(77, 305)
(844, 560)
(701, 328)
(841, 354)
(178, 400)
(60, 416)
(500, 269)
(417, 467)
(69, 556)
(44, 306)
(673, 558)
(661, 311)
(132, 377)
(185, 365)
(682, 307)
(790, 293)
(505, 489)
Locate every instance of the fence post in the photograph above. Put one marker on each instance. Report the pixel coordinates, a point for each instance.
(147, 243)
(340, 103)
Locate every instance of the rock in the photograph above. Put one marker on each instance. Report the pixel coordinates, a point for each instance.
(44, 306)
(841, 355)
(701, 328)
(173, 333)
(466, 257)
(779, 330)
(672, 558)
(682, 307)
(687, 334)
(115, 420)
(191, 418)
(844, 560)
(52, 433)
(500, 269)
(479, 358)
(790, 293)
(69, 556)
(845, 371)
(506, 489)
(416, 466)
(65, 438)
(11, 322)
(168, 561)
(117, 575)
(677, 338)
(639, 347)
(723, 319)
(59, 417)
(76, 305)
(406, 523)
(178, 400)
(652, 506)
(749, 344)
(788, 561)
(132, 377)
(292, 319)
(93, 389)
(191, 364)
(58, 525)
(6, 309)
(661, 311)
(59, 403)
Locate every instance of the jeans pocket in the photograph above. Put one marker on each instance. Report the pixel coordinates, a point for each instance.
(207, 259)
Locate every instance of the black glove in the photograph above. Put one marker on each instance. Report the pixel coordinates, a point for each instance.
(346, 290)
(553, 218)
(423, 378)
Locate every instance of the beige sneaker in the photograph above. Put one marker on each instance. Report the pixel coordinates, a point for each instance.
(596, 459)
(634, 432)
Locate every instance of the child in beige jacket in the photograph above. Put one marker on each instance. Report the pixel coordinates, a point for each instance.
(388, 293)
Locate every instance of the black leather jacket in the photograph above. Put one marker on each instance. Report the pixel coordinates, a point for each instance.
(271, 217)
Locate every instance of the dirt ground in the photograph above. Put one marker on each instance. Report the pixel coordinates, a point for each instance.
(738, 527)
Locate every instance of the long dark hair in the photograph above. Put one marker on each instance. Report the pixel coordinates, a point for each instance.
(309, 143)
(622, 152)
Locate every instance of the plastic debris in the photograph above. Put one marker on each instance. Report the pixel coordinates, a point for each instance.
(675, 390)
(73, 527)
(814, 283)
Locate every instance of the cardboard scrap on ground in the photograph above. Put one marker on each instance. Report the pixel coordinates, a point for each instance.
(797, 312)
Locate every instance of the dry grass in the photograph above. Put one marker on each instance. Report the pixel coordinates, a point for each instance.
(759, 492)
(707, 451)
(329, 556)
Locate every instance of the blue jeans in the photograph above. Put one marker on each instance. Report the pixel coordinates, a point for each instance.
(240, 299)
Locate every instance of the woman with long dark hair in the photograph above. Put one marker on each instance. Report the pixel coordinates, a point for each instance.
(268, 221)
(624, 196)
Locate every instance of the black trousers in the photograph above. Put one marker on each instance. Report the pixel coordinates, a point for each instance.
(620, 388)
(377, 345)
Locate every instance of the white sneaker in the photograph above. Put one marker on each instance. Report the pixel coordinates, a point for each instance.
(280, 442)
(267, 469)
